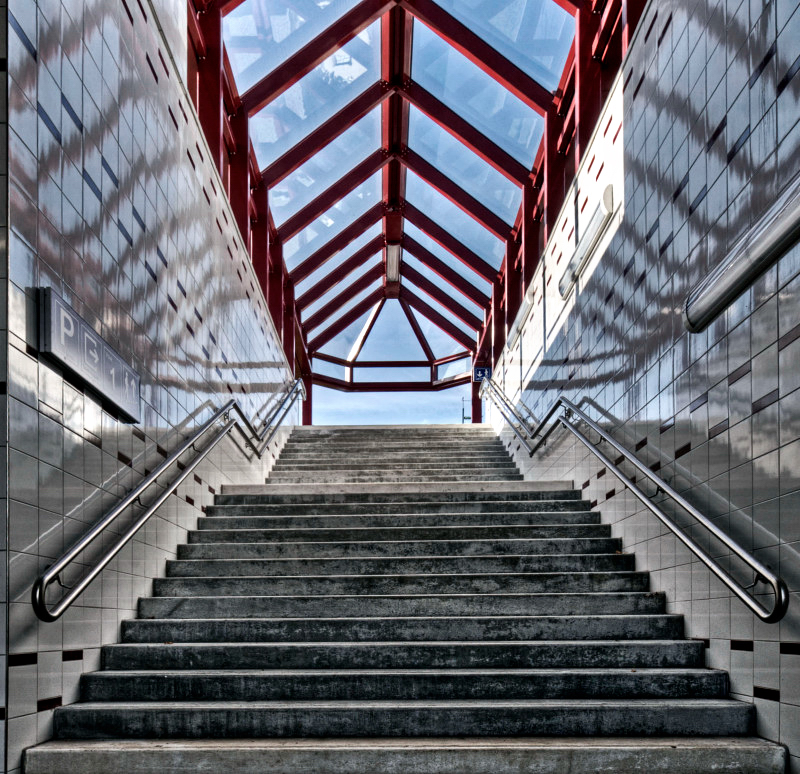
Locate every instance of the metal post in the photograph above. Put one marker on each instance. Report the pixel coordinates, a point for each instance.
(477, 407)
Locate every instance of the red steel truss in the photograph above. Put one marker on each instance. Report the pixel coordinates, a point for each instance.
(603, 30)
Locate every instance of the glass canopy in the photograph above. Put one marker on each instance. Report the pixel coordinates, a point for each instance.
(466, 204)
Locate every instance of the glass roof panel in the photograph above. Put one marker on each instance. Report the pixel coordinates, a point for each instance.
(441, 344)
(340, 286)
(535, 35)
(442, 284)
(322, 170)
(340, 346)
(423, 296)
(463, 167)
(334, 263)
(392, 338)
(447, 74)
(330, 223)
(447, 257)
(260, 34)
(317, 96)
(467, 230)
(356, 299)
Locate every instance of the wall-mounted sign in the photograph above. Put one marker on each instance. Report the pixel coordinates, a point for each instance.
(68, 338)
(479, 373)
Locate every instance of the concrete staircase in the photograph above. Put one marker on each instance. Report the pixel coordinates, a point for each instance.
(396, 600)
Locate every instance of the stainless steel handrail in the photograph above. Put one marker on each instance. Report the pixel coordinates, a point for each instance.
(258, 440)
(762, 572)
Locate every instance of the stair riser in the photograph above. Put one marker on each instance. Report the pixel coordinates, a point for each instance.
(619, 603)
(374, 686)
(399, 584)
(422, 629)
(377, 477)
(399, 508)
(500, 719)
(397, 655)
(419, 459)
(372, 498)
(232, 532)
(487, 757)
(415, 462)
(234, 544)
(397, 520)
(192, 568)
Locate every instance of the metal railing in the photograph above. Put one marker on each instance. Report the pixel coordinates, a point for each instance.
(528, 437)
(257, 440)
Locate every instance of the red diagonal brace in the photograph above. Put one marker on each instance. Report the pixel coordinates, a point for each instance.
(344, 321)
(439, 320)
(339, 242)
(359, 258)
(333, 194)
(336, 303)
(291, 70)
(437, 294)
(450, 243)
(449, 275)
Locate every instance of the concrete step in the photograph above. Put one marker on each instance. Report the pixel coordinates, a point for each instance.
(401, 684)
(382, 605)
(421, 456)
(361, 495)
(571, 563)
(415, 462)
(378, 509)
(450, 583)
(388, 475)
(656, 654)
(375, 491)
(457, 718)
(231, 531)
(586, 755)
(386, 520)
(238, 546)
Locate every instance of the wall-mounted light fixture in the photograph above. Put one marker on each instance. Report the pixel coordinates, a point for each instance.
(588, 241)
(393, 253)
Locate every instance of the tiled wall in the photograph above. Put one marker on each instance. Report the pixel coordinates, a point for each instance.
(711, 135)
(114, 204)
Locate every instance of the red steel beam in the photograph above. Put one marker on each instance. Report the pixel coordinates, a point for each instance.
(322, 203)
(346, 319)
(209, 74)
(456, 194)
(449, 275)
(439, 320)
(292, 69)
(338, 301)
(418, 332)
(375, 363)
(462, 130)
(342, 386)
(480, 53)
(437, 294)
(450, 243)
(339, 242)
(358, 344)
(359, 258)
(350, 114)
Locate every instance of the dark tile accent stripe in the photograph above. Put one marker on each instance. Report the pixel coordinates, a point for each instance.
(770, 694)
(664, 31)
(787, 78)
(740, 372)
(698, 402)
(48, 704)
(22, 659)
(124, 231)
(787, 338)
(716, 133)
(698, 200)
(706, 642)
(601, 473)
(72, 655)
(71, 113)
(180, 287)
(665, 244)
(651, 232)
(189, 500)
(639, 446)
(48, 122)
(137, 433)
(685, 449)
(127, 11)
(150, 65)
(742, 645)
(138, 218)
(739, 144)
(718, 429)
(679, 190)
(93, 187)
(667, 425)
(26, 41)
(790, 648)
(124, 459)
(109, 171)
(585, 485)
(639, 281)
(161, 257)
(762, 65)
(610, 493)
(766, 400)
(150, 271)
